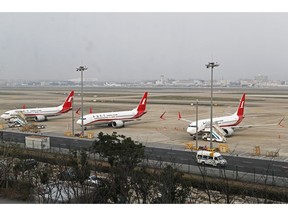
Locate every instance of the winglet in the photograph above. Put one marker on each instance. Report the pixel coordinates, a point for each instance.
(163, 115)
(281, 122)
(78, 110)
(179, 116)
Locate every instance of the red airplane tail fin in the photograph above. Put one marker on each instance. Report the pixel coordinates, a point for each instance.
(141, 108)
(67, 105)
(240, 110)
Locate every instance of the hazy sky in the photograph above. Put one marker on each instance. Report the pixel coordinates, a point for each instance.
(143, 46)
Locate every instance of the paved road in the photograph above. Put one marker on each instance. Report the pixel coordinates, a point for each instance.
(240, 164)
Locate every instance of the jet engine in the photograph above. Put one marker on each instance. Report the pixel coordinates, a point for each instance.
(40, 118)
(117, 124)
(228, 131)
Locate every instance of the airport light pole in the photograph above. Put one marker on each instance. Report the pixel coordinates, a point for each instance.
(73, 133)
(82, 68)
(211, 65)
(197, 124)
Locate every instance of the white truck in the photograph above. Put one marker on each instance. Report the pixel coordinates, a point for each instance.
(210, 158)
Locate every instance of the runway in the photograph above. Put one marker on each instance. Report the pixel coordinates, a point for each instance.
(262, 107)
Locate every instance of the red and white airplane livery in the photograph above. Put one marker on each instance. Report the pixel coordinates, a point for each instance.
(115, 119)
(41, 114)
(227, 123)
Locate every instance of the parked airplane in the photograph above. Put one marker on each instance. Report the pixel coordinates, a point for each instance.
(115, 119)
(227, 123)
(41, 114)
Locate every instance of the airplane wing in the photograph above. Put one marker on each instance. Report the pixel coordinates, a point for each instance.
(260, 125)
(78, 110)
(179, 117)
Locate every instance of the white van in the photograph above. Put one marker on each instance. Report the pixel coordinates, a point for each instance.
(210, 158)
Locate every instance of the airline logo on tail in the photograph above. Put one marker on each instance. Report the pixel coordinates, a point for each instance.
(240, 110)
(67, 105)
(141, 108)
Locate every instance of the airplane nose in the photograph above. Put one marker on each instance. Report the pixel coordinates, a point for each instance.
(191, 130)
(79, 122)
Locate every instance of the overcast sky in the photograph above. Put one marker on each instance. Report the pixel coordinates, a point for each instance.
(143, 46)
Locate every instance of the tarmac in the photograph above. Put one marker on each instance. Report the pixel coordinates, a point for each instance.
(264, 109)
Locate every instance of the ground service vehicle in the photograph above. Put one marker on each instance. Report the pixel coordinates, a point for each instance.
(210, 158)
(92, 180)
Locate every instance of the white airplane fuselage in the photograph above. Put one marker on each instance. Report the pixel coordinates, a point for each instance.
(48, 111)
(115, 119)
(225, 121)
(41, 114)
(100, 118)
